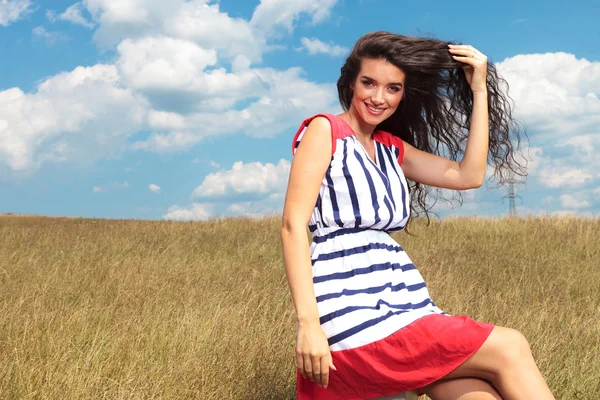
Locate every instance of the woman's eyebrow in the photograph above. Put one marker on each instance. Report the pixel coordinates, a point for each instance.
(375, 80)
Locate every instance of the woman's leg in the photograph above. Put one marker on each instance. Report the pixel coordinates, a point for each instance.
(461, 389)
(505, 359)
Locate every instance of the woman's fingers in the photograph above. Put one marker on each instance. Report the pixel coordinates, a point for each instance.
(474, 64)
(464, 52)
(462, 46)
(331, 362)
(467, 51)
(308, 367)
(315, 368)
(325, 370)
(313, 356)
(467, 57)
(316, 365)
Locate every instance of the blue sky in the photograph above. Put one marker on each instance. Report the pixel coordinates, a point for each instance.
(186, 110)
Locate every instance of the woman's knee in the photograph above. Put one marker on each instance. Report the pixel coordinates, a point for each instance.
(511, 346)
(505, 351)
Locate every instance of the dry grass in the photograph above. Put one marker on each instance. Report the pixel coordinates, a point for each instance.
(93, 309)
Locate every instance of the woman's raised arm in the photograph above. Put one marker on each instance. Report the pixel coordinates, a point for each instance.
(434, 170)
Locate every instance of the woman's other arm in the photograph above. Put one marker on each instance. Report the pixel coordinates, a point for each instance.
(309, 165)
(431, 169)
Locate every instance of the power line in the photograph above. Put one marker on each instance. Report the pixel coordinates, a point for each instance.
(512, 195)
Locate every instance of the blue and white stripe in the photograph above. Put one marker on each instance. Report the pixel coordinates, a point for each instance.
(365, 284)
(356, 192)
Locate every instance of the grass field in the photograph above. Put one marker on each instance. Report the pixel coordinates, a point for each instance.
(121, 309)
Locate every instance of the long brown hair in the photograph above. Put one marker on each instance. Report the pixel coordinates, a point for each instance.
(435, 112)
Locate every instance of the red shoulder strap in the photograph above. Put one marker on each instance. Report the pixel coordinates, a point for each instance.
(335, 130)
(388, 139)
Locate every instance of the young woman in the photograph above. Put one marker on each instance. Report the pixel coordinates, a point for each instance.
(366, 326)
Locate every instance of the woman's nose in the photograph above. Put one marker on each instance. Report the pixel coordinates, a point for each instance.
(377, 97)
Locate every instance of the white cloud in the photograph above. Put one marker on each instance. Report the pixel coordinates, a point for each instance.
(255, 209)
(567, 165)
(251, 178)
(564, 176)
(13, 10)
(154, 188)
(73, 14)
(172, 142)
(272, 14)
(288, 98)
(558, 97)
(171, 73)
(164, 120)
(315, 46)
(282, 100)
(585, 144)
(83, 115)
(271, 205)
(570, 201)
(197, 212)
(535, 155)
(170, 82)
(196, 20)
(123, 11)
(202, 22)
(264, 184)
(51, 37)
(158, 63)
(209, 27)
(555, 93)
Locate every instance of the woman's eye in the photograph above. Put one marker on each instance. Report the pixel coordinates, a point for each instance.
(367, 83)
(395, 89)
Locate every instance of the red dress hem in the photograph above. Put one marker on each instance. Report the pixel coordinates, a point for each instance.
(411, 358)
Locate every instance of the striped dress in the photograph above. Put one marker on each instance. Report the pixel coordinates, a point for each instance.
(385, 333)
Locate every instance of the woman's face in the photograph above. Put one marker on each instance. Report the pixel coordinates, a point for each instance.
(378, 89)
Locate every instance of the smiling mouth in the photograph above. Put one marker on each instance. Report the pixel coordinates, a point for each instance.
(375, 109)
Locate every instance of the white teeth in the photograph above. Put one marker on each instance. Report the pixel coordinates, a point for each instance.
(374, 109)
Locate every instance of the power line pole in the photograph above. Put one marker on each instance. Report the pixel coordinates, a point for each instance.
(512, 195)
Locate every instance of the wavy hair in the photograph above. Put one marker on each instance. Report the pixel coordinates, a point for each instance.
(435, 112)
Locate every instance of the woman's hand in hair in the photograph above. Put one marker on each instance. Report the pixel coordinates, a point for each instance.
(474, 65)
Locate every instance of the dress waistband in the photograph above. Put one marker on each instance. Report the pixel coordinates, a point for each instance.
(320, 235)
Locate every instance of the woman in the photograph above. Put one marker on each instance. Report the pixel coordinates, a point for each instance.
(366, 326)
